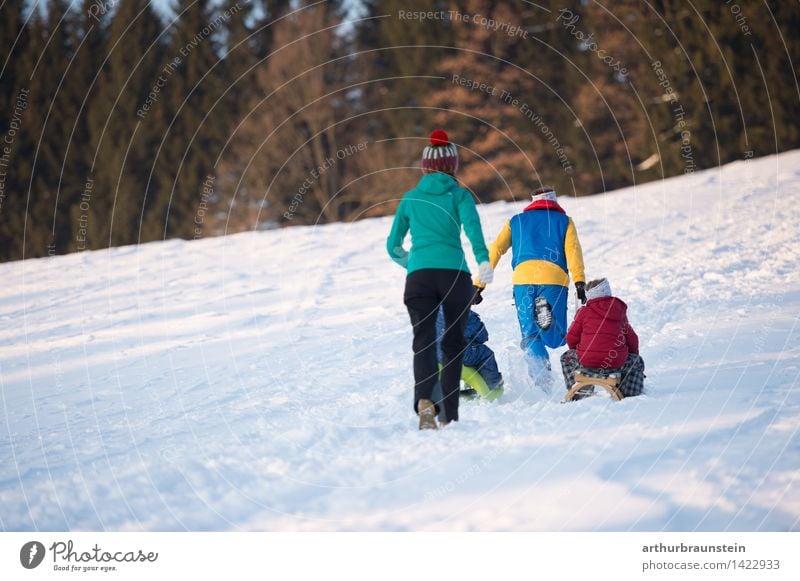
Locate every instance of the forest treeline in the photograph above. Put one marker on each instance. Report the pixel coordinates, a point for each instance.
(121, 125)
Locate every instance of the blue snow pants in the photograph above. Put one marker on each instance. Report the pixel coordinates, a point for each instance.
(534, 339)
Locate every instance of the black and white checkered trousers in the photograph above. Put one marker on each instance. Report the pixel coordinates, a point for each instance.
(632, 372)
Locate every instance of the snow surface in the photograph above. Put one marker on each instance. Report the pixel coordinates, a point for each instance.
(263, 381)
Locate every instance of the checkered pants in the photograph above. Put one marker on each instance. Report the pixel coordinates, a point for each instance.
(632, 372)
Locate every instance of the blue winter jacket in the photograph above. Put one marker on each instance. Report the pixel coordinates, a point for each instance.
(476, 354)
(475, 332)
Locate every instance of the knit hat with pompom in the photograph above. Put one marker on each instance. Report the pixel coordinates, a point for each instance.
(440, 155)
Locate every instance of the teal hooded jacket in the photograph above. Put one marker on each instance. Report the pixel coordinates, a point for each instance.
(434, 212)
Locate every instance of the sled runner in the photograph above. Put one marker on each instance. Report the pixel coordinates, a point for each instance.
(476, 385)
(473, 379)
(588, 379)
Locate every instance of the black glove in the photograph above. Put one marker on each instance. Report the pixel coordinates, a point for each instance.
(580, 292)
(478, 298)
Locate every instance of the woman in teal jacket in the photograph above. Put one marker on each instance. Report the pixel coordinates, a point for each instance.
(438, 275)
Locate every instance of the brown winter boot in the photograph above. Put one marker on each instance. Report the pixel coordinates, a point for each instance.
(427, 415)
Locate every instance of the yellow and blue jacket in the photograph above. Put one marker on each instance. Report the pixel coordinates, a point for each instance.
(544, 246)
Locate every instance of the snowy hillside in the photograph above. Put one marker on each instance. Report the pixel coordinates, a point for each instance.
(263, 381)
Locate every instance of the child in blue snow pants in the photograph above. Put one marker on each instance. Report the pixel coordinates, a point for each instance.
(534, 338)
(545, 254)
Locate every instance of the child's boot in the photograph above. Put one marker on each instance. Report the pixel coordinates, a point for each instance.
(543, 313)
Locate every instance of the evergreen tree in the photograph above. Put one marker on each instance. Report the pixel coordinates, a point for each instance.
(80, 95)
(263, 28)
(402, 57)
(497, 158)
(509, 91)
(193, 130)
(122, 121)
(17, 123)
(394, 69)
(613, 120)
(117, 126)
(63, 155)
(38, 159)
(292, 136)
(561, 62)
(779, 55)
(240, 50)
(12, 44)
(240, 68)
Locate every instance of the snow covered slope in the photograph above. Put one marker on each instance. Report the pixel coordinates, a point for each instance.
(263, 381)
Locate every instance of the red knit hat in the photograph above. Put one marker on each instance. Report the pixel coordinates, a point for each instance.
(440, 155)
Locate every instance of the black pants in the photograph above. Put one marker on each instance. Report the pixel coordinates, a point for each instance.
(427, 290)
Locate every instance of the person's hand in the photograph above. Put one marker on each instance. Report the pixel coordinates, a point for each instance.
(580, 292)
(485, 272)
(478, 297)
(400, 256)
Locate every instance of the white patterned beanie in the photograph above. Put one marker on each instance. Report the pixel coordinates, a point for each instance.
(440, 155)
(544, 193)
(598, 288)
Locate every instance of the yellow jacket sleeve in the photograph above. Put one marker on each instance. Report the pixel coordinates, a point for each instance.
(572, 248)
(501, 244)
(498, 248)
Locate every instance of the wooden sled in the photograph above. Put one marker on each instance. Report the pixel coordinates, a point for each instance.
(608, 381)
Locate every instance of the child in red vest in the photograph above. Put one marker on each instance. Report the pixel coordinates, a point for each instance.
(601, 339)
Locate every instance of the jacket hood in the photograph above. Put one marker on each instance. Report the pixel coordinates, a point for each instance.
(608, 308)
(437, 183)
